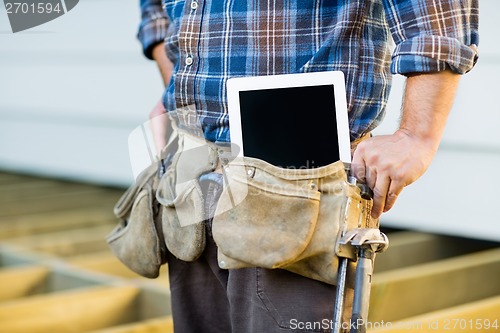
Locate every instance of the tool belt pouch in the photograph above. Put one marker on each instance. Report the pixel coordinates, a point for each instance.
(137, 239)
(286, 218)
(181, 197)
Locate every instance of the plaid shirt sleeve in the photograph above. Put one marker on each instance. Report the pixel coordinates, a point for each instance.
(433, 35)
(153, 27)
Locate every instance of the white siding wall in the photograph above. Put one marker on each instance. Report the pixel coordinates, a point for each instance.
(72, 90)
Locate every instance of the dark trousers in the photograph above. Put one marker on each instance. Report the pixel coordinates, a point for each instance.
(208, 299)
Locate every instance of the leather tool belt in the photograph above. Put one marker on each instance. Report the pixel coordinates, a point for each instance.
(267, 216)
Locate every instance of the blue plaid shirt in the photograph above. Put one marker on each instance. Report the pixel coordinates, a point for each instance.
(210, 41)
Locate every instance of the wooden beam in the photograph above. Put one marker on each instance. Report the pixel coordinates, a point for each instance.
(25, 225)
(11, 257)
(39, 188)
(153, 302)
(96, 197)
(65, 243)
(480, 316)
(158, 325)
(10, 178)
(75, 311)
(433, 286)
(19, 282)
(106, 262)
(410, 248)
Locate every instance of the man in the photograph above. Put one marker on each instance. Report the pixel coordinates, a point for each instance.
(199, 44)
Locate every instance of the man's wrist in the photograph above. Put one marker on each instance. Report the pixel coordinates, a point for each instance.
(429, 140)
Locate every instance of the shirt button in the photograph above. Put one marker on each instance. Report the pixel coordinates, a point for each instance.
(194, 5)
(189, 61)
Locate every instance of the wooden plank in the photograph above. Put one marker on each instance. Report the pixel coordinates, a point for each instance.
(24, 225)
(36, 241)
(65, 243)
(21, 281)
(11, 178)
(154, 301)
(422, 288)
(480, 316)
(157, 325)
(408, 248)
(75, 311)
(24, 281)
(10, 257)
(405, 249)
(106, 262)
(39, 188)
(97, 197)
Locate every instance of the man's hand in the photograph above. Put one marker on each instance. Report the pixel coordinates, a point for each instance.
(388, 163)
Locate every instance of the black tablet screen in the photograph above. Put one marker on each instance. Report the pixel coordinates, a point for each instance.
(290, 127)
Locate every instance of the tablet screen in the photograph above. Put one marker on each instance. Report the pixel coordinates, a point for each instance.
(293, 127)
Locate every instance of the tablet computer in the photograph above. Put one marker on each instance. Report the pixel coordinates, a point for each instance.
(290, 120)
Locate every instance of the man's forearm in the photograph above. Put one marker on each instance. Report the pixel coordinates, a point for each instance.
(164, 64)
(388, 163)
(160, 122)
(427, 102)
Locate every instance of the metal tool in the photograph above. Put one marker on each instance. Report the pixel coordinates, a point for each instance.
(366, 242)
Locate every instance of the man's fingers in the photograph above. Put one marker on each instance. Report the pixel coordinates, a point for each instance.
(379, 185)
(385, 193)
(369, 176)
(358, 166)
(395, 189)
(385, 180)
